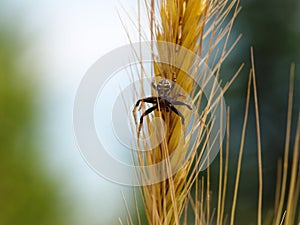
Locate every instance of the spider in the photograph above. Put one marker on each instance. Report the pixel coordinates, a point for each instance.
(162, 101)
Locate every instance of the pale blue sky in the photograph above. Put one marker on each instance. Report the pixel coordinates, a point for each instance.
(65, 38)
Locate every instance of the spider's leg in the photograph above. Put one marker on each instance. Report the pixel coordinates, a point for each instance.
(177, 112)
(148, 100)
(152, 100)
(182, 103)
(178, 95)
(153, 84)
(148, 111)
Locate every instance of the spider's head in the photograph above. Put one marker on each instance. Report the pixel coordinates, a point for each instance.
(164, 88)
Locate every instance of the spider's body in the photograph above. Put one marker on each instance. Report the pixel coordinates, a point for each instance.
(163, 101)
(164, 88)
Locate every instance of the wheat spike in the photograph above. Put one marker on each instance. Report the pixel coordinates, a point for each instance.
(200, 27)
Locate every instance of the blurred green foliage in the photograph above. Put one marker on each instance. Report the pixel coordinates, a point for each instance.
(272, 28)
(27, 195)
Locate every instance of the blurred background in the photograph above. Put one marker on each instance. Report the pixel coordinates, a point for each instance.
(46, 48)
(272, 28)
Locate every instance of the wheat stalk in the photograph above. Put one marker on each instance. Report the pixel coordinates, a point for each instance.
(200, 27)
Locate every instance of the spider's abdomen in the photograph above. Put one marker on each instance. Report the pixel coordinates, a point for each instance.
(164, 88)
